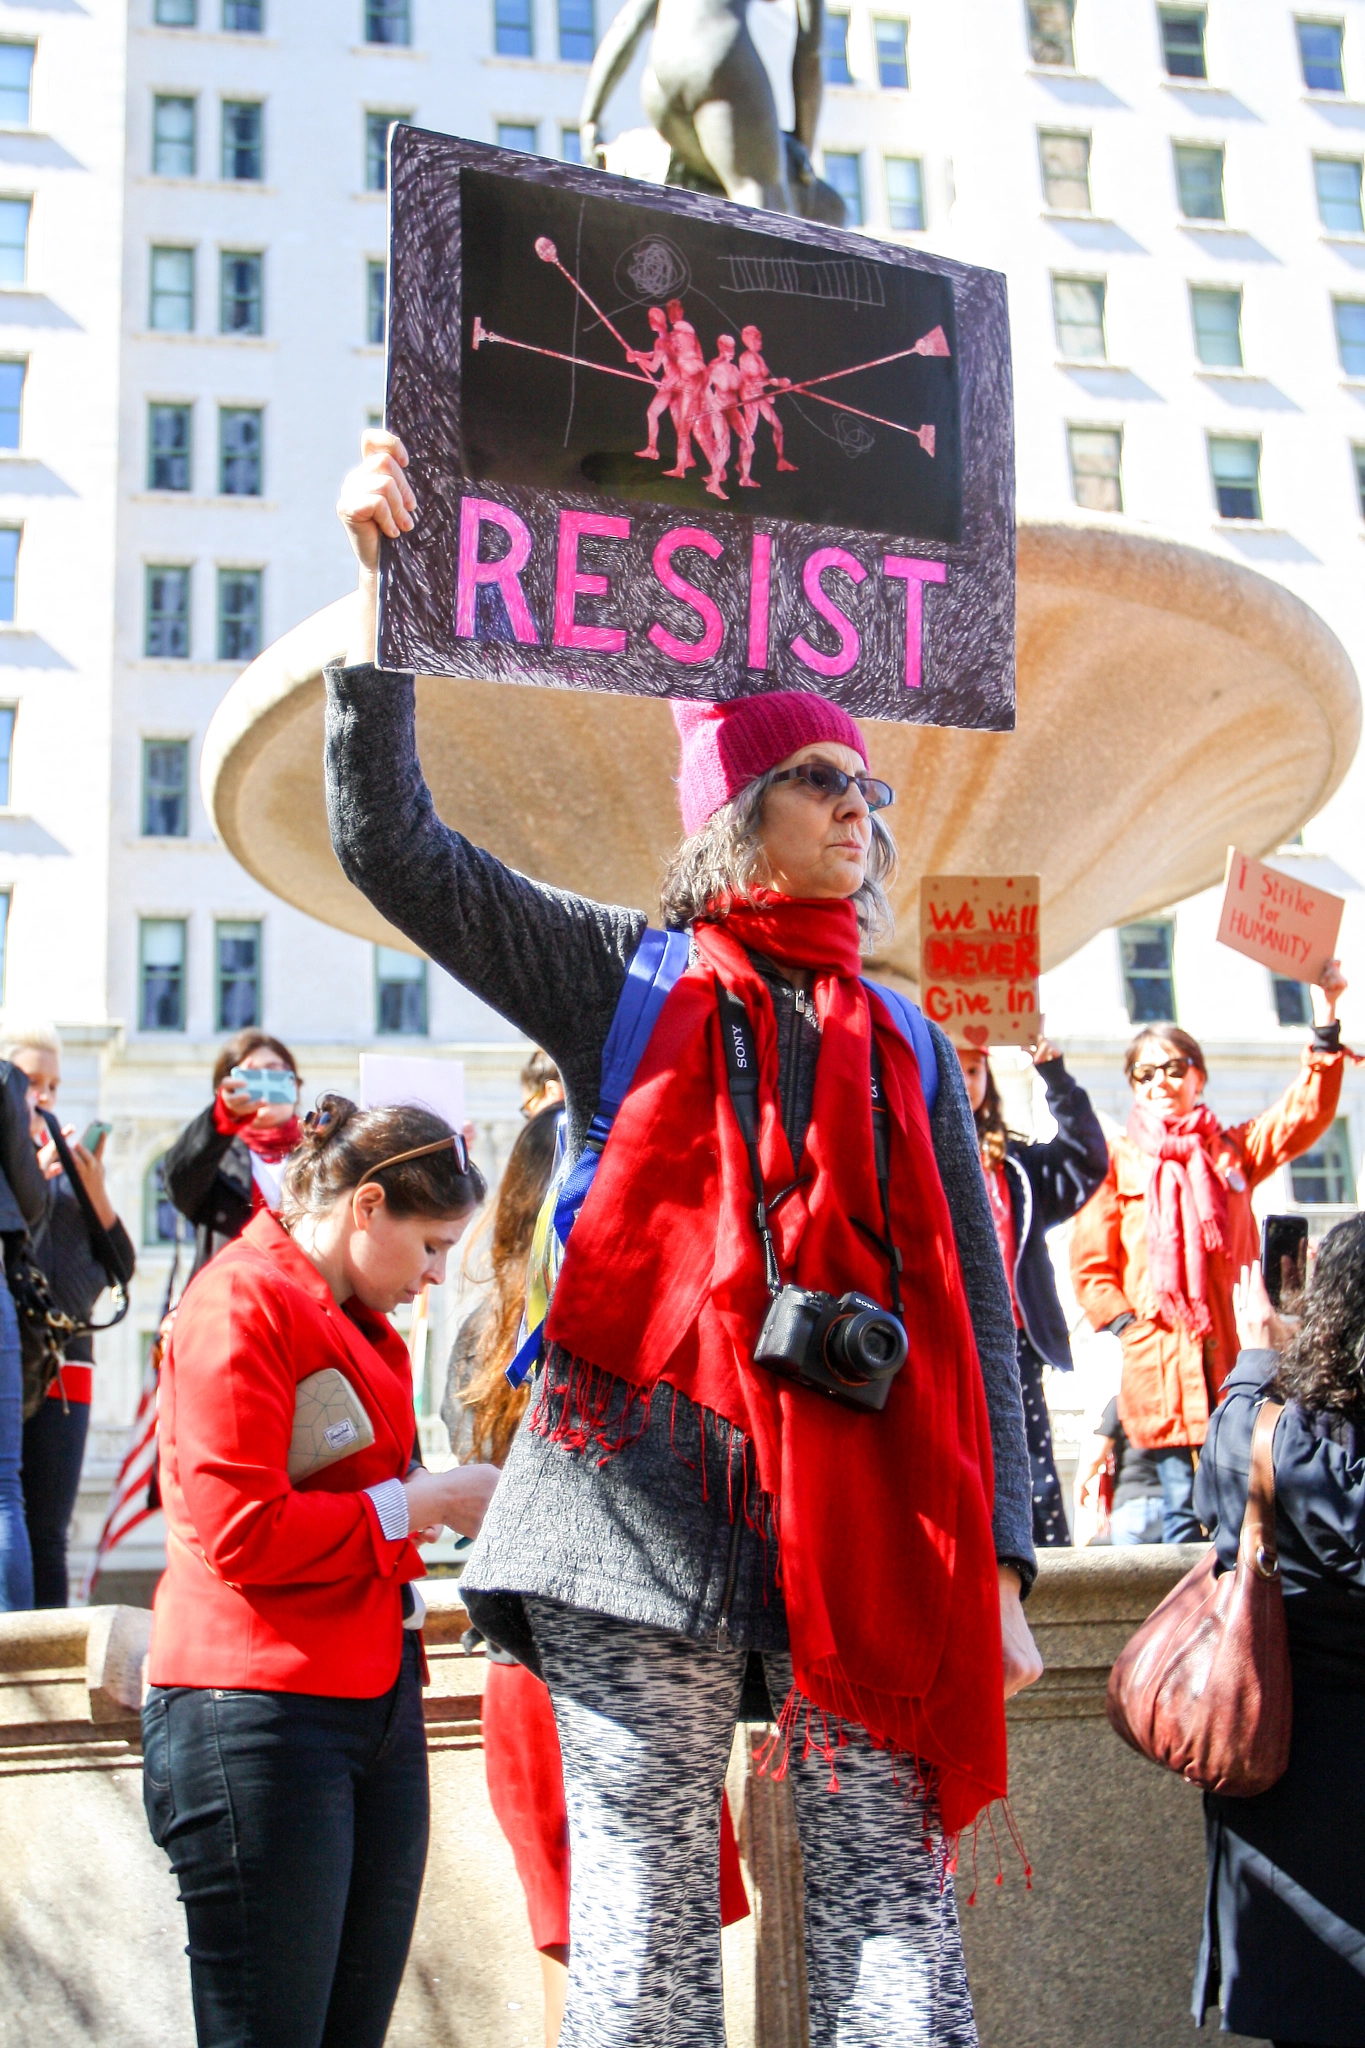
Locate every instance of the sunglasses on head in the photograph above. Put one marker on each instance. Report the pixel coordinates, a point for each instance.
(830, 782)
(1175, 1070)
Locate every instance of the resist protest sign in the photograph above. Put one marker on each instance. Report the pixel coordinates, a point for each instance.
(668, 445)
(1287, 926)
(979, 957)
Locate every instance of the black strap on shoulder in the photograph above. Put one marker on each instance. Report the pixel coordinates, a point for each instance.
(741, 1062)
(101, 1244)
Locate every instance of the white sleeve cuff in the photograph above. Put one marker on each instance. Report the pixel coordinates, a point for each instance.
(391, 1506)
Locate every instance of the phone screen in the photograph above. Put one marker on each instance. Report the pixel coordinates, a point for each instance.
(94, 1134)
(1284, 1256)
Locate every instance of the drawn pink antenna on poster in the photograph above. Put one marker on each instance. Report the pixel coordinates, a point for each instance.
(979, 960)
(768, 528)
(1284, 923)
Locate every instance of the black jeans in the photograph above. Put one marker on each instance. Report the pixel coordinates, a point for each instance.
(54, 1449)
(297, 1826)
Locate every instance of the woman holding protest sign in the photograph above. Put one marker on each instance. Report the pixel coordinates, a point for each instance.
(631, 1550)
(1155, 1252)
(1033, 1188)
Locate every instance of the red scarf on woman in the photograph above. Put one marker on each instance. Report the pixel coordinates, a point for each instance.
(271, 1142)
(887, 1560)
(1187, 1212)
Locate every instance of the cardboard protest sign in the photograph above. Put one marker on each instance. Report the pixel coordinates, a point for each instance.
(979, 957)
(388, 1080)
(1278, 920)
(672, 446)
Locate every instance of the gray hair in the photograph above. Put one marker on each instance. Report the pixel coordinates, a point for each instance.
(24, 1034)
(724, 863)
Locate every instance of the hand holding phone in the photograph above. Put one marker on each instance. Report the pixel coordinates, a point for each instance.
(94, 1135)
(1284, 1256)
(265, 1084)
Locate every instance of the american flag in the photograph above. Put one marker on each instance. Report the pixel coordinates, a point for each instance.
(132, 1499)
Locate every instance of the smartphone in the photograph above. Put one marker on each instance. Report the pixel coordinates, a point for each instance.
(1284, 1255)
(94, 1135)
(266, 1084)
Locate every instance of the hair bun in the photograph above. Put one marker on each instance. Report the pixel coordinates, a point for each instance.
(327, 1121)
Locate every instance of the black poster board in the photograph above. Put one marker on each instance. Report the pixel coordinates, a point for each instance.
(672, 446)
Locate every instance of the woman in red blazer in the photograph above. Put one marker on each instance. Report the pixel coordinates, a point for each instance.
(284, 1759)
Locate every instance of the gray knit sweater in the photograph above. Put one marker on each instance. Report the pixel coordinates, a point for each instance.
(669, 1530)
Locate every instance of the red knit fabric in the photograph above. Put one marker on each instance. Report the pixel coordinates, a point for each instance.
(1187, 1212)
(725, 746)
(271, 1142)
(887, 1561)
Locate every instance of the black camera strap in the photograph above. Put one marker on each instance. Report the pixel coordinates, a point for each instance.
(741, 1063)
(117, 1271)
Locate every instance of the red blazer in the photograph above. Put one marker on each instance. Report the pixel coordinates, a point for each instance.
(269, 1586)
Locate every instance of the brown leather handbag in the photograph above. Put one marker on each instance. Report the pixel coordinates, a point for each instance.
(1204, 1686)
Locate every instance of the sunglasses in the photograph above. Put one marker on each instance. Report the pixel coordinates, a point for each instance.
(1175, 1070)
(830, 783)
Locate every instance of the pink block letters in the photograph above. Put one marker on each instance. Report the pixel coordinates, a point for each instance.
(760, 599)
(506, 573)
(915, 573)
(849, 644)
(677, 586)
(571, 582)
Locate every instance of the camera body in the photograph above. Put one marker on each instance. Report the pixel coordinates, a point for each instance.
(846, 1346)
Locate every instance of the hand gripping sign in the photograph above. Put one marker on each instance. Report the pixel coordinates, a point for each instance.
(672, 446)
(978, 938)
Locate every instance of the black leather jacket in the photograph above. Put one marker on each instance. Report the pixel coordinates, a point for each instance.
(208, 1177)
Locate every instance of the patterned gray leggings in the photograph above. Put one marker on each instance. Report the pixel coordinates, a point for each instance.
(645, 1724)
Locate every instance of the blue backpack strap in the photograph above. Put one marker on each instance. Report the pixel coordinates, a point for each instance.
(911, 1020)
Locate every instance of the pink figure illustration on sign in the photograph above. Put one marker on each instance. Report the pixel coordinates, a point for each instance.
(689, 409)
(723, 412)
(658, 363)
(756, 381)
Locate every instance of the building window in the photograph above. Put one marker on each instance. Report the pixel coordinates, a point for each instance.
(16, 80)
(1338, 183)
(1217, 327)
(177, 13)
(238, 950)
(1199, 182)
(169, 447)
(400, 993)
(1320, 55)
(12, 377)
(1324, 1173)
(7, 717)
(512, 33)
(243, 17)
(835, 50)
(241, 294)
(388, 21)
(377, 128)
(239, 614)
(1182, 43)
(167, 632)
(9, 573)
(162, 961)
(239, 451)
(844, 171)
(165, 789)
(4, 943)
(893, 52)
(243, 140)
(1236, 470)
(172, 137)
(577, 31)
(571, 145)
(1145, 953)
(172, 294)
(1349, 316)
(1358, 455)
(1096, 477)
(374, 303)
(1291, 1001)
(1078, 309)
(1066, 171)
(160, 1217)
(518, 135)
(14, 215)
(1050, 35)
(905, 193)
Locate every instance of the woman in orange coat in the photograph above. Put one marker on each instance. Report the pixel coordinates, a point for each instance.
(284, 1758)
(1155, 1251)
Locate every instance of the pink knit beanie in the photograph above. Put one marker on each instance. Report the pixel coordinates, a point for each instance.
(725, 746)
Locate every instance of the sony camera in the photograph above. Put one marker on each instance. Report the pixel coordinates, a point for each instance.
(845, 1345)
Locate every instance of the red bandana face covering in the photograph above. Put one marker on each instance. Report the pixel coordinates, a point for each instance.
(886, 1555)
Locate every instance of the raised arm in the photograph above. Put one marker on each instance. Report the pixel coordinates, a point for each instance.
(1066, 1170)
(552, 963)
(609, 66)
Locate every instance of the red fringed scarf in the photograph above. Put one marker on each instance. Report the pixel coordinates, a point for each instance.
(887, 1560)
(1187, 1212)
(271, 1142)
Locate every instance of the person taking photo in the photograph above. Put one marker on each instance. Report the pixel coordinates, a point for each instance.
(229, 1161)
(1155, 1252)
(284, 1756)
(631, 1552)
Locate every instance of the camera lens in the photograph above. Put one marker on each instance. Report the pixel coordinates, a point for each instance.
(868, 1344)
